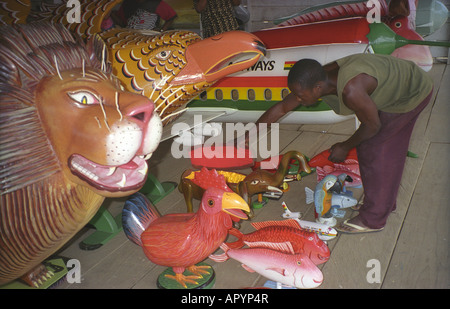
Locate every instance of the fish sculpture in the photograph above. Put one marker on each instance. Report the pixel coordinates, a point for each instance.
(350, 167)
(291, 269)
(328, 195)
(275, 234)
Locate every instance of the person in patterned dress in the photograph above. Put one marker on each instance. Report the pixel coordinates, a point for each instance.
(217, 16)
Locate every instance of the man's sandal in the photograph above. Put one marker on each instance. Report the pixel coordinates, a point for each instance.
(351, 228)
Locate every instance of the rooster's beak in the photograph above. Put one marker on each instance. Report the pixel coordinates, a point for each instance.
(235, 205)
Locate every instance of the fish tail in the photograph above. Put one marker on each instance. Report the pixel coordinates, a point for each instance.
(137, 214)
(221, 257)
(309, 195)
(239, 243)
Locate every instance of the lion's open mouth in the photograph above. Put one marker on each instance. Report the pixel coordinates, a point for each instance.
(125, 177)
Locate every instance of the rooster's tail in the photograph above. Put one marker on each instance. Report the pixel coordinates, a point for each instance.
(137, 214)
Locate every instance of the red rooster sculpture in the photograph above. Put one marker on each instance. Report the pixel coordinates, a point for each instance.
(184, 239)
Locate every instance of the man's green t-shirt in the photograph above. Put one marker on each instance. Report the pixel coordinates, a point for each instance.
(402, 85)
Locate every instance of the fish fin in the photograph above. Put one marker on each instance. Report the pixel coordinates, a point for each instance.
(320, 173)
(137, 214)
(239, 242)
(247, 268)
(328, 169)
(309, 195)
(350, 161)
(219, 257)
(263, 224)
(279, 270)
(283, 247)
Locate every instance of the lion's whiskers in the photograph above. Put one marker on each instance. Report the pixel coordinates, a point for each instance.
(103, 58)
(83, 68)
(98, 122)
(160, 95)
(117, 105)
(173, 114)
(104, 115)
(56, 65)
(170, 102)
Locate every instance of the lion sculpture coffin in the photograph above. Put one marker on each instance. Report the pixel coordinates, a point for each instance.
(69, 137)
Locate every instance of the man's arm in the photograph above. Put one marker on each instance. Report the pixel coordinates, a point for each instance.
(277, 111)
(356, 96)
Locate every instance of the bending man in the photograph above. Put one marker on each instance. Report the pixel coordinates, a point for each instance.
(387, 95)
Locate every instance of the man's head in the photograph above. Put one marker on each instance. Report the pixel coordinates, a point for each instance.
(304, 80)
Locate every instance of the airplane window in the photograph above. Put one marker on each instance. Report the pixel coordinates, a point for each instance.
(251, 94)
(203, 96)
(218, 94)
(284, 93)
(234, 95)
(268, 94)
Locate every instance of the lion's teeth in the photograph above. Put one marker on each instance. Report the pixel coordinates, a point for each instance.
(143, 170)
(148, 156)
(123, 181)
(111, 171)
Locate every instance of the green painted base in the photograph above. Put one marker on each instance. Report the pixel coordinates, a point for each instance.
(258, 205)
(155, 190)
(106, 227)
(56, 265)
(207, 282)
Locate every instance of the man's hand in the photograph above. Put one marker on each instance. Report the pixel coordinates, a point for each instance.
(338, 153)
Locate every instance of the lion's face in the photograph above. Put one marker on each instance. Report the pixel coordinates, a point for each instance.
(101, 134)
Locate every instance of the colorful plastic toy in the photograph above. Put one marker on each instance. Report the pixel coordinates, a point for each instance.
(181, 241)
(291, 269)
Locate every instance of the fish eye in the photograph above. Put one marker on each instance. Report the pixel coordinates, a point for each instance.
(83, 97)
(163, 55)
(299, 263)
(211, 203)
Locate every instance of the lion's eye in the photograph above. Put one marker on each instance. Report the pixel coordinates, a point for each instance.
(163, 55)
(83, 97)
